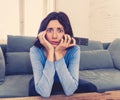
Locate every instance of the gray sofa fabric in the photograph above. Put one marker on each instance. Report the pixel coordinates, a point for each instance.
(17, 66)
(15, 86)
(114, 50)
(2, 67)
(19, 43)
(103, 79)
(99, 64)
(101, 67)
(18, 63)
(92, 45)
(18, 59)
(95, 59)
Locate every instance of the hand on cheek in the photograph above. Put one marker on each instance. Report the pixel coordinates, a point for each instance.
(65, 43)
(49, 50)
(43, 41)
(69, 41)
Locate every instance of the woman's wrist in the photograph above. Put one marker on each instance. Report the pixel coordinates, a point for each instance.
(59, 55)
(50, 56)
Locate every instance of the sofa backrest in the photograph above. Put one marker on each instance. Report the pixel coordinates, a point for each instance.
(4, 49)
(17, 55)
(95, 56)
(2, 67)
(92, 45)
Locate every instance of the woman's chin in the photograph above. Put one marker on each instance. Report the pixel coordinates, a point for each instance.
(54, 46)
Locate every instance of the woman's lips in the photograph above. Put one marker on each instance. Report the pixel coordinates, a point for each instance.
(54, 43)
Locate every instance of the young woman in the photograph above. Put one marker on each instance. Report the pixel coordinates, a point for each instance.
(55, 57)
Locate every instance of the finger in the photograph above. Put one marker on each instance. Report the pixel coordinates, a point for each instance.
(65, 38)
(69, 39)
(74, 43)
(40, 36)
(43, 34)
(61, 41)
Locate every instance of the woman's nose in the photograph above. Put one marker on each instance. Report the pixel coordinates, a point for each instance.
(54, 34)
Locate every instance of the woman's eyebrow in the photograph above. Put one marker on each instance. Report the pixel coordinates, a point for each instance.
(53, 28)
(50, 28)
(59, 28)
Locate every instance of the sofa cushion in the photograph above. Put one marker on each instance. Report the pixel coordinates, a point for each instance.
(103, 79)
(18, 63)
(15, 86)
(19, 43)
(92, 45)
(2, 67)
(95, 59)
(114, 49)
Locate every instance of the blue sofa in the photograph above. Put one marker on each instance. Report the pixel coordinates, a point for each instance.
(99, 65)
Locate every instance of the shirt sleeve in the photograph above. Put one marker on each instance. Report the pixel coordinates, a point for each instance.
(43, 75)
(69, 75)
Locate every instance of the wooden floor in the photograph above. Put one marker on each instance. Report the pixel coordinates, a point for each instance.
(111, 95)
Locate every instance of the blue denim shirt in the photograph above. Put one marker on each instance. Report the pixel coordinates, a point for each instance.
(47, 72)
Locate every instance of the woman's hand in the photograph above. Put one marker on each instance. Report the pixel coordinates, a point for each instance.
(49, 50)
(65, 43)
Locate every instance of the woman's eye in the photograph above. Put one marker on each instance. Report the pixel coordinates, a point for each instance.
(60, 30)
(49, 30)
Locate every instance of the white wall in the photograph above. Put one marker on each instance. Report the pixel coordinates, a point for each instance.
(104, 20)
(9, 18)
(78, 12)
(34, 13)
(79, 20)
(95, 19)
(15, 13)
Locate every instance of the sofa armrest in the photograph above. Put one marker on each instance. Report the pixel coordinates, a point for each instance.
(2, 67)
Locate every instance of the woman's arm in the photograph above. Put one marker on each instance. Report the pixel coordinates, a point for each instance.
(69, 75)
(43, 74)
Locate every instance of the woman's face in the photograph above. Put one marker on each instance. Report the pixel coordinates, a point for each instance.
(54, 32)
